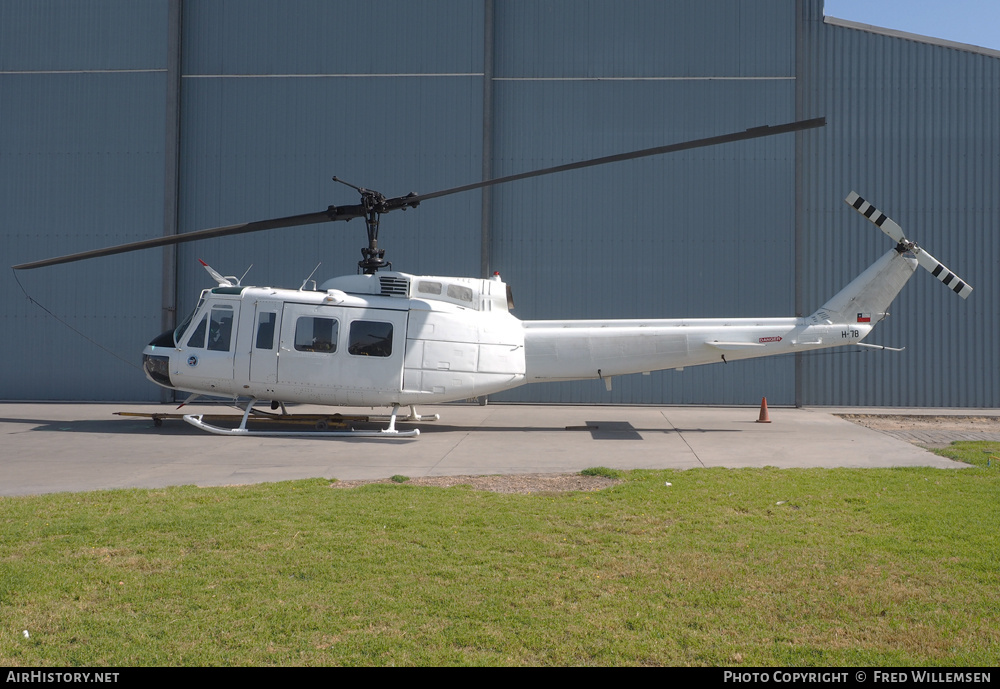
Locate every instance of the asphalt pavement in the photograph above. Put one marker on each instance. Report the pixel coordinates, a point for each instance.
(56, 447)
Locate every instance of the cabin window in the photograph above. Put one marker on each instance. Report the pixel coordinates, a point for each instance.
(220, 329)
(459, 292)
(265, 330)
(370, 338)
(425, 287)
(316, 334)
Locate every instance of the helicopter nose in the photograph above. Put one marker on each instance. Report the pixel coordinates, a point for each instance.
(157, 369)
(157, 366)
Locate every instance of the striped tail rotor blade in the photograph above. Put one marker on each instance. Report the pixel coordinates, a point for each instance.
(881, 220)
(941, 272)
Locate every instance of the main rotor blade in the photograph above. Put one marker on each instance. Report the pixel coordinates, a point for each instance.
(332, 213)
(753, 133)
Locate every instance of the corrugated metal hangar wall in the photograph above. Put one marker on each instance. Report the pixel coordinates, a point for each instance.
(126, 120)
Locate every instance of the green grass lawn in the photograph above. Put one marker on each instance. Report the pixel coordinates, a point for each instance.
(723, 567)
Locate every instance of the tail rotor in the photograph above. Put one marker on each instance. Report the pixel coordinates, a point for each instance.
(895, 232)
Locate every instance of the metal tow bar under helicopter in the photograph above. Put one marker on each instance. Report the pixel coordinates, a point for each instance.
(383, 338)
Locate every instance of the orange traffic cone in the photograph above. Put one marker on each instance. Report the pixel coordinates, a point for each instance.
(763, 418)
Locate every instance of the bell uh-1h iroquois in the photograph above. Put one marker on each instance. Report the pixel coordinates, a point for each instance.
(388, 339)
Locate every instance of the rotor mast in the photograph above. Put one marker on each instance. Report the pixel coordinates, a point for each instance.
(373, 204)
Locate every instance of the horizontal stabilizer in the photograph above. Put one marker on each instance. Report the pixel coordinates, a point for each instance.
(882, 347)
(895, 232)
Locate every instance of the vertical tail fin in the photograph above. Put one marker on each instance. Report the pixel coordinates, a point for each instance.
(866, 299)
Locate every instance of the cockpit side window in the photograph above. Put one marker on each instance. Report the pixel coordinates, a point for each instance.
(197, 338)
(220, 331)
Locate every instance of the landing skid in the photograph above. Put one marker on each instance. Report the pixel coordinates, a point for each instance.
(413, 417)
(388, 433)
(313, 425)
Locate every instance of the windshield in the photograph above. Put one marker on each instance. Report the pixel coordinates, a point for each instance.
(179, 330)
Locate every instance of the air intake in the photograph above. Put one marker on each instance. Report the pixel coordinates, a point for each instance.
(394, 287)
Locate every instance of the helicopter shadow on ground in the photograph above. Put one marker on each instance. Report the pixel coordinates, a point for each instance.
(599, 430)
(103, 426)
(169, 427)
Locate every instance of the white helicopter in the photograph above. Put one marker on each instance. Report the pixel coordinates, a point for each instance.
(391, 339)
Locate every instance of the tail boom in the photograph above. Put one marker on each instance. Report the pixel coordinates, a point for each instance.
(578, 350)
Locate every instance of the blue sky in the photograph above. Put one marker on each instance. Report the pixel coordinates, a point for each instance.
(966, 21)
